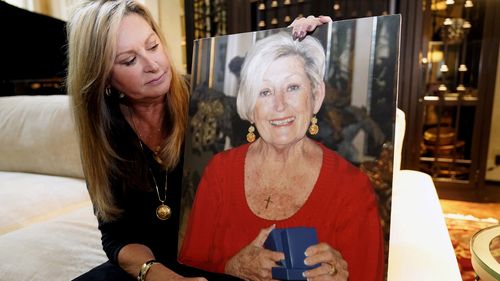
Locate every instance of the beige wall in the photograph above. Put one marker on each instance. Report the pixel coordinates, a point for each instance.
(494, 145)
(171, 19)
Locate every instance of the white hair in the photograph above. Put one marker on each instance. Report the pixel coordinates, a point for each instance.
(268, 50)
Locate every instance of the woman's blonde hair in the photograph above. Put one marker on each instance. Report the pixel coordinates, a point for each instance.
(268, 50)
(92, 34)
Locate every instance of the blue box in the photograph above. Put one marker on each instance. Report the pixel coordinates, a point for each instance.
(293, 242)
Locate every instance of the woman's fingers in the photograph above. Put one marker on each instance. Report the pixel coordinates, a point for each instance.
(325, 19)
(333, 266)
(326, 272)
(254, 262)
(301, 26)
(262, 236)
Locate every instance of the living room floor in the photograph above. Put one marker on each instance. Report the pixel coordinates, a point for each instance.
(461, 228)
(478, 210)
(490, 208)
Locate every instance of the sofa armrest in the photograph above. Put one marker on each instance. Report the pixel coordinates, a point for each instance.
(419, 247)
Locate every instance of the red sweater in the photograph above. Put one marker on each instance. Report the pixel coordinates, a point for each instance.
(342, 207)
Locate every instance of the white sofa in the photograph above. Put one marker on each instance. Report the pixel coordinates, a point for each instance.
(48, 230)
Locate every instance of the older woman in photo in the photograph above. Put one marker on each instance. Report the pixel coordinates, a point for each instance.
(283, 179)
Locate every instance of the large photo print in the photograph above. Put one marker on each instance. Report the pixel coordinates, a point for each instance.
(293, 133)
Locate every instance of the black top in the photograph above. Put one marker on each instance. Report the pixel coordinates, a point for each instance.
(134, 191)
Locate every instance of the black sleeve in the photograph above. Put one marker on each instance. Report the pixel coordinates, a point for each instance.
(113, 238)
(137, 224)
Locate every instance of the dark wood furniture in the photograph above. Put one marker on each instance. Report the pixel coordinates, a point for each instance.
(458, 173)
(220, 17)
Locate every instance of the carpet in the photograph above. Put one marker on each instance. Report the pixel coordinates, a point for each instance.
(461, 229)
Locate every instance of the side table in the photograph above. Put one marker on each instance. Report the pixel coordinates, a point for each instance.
(485, 253)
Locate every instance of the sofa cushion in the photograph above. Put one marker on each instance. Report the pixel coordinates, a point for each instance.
(38, 136)
(59, 249)
(31, 198)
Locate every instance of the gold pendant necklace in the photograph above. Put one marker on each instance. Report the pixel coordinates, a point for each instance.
(163, 212)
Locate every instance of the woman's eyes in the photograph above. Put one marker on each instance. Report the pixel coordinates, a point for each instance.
(289, 88)
(153, 47)
(293, 87)
(130, 61)
(265, 93)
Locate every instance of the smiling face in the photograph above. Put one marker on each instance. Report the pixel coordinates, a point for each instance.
(141, 69)
(285, 102)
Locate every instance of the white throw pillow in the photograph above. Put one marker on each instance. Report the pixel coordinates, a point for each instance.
(38, 135)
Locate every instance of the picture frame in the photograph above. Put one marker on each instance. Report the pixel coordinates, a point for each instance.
(357, 118)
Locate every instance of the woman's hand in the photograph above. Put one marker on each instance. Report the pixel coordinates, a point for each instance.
(333, 266)
(254, 262)
(301, 26)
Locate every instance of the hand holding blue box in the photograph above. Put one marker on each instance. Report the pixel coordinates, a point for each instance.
(293, 242)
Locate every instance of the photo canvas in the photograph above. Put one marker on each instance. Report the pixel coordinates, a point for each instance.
(356, 120)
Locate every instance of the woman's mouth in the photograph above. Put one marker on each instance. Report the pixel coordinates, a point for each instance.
(157, 80)
(282, 122)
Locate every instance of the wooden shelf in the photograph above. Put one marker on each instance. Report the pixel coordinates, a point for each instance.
(452, 100)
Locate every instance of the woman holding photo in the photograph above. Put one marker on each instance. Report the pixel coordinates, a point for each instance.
(130, 107)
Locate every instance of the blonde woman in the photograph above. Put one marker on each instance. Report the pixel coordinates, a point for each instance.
(130, 107)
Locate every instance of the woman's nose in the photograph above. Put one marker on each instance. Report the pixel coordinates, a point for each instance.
(279, 101)
(150, 64)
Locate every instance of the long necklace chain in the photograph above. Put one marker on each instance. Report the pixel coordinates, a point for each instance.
(154, 180)
(163, 212)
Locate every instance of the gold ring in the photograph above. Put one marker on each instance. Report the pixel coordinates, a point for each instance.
(333, 270)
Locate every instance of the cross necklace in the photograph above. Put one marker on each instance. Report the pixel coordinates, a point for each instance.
(268, 200)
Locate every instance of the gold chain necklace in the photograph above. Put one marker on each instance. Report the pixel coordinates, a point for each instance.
(163, 212)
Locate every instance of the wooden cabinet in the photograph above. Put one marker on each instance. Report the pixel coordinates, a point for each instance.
(448, 72)
(206, 18)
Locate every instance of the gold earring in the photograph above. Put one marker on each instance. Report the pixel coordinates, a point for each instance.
(251, 135)
(313, 128)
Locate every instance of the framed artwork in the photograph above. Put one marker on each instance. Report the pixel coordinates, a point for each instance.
(356, 119)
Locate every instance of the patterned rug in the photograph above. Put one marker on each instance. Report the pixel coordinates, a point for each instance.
(461, 229)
